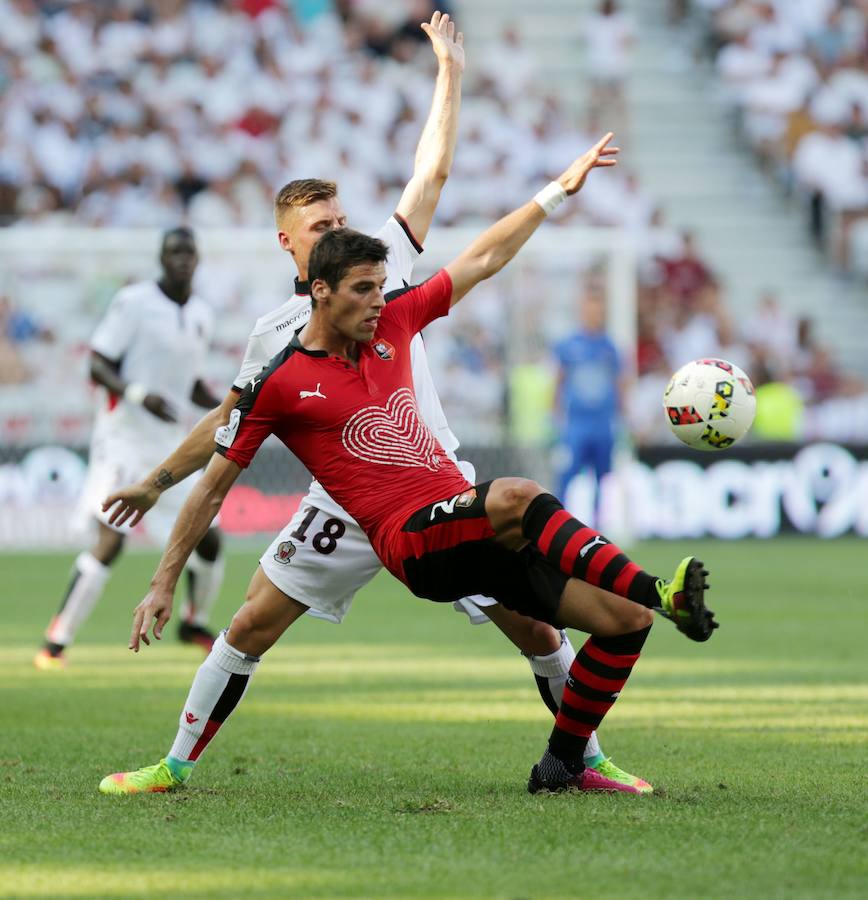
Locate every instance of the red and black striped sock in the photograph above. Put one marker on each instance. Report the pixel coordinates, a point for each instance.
(598, 673)
(581, 552)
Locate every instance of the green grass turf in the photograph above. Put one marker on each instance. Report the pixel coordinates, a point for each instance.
(389, 756)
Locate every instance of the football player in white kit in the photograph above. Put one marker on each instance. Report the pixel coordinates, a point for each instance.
(148, 352)
(321, 558)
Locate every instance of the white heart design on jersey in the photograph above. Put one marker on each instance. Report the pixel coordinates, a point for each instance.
(392, 435)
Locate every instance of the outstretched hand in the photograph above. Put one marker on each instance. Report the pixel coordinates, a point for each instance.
(598, 157)
(446, 43)
(156, 608)
(130, 504)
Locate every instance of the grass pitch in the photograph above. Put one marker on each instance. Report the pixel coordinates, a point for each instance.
(389, 756)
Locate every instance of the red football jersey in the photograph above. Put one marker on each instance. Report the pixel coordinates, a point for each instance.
(358, 430)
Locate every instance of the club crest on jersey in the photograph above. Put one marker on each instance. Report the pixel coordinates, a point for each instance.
(384, 349)
(285, 552)
(225, 434)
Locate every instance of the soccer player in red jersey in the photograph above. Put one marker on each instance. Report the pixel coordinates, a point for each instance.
(321, 558)
(340, 397)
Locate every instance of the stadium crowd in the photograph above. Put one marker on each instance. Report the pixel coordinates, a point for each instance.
(152, 112)
(796, 75)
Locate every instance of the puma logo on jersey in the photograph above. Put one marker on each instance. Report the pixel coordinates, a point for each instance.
(254, 382)
(225, 434)
(317, 393)
(597, 541)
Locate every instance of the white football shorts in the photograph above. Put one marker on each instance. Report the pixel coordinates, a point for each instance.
(116, 460)
(322, 558)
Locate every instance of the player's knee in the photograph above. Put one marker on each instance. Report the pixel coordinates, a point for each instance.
(243, 624)
(108, 547)
(633, 617)
(513, 495)
(251, 630)
(540, 639)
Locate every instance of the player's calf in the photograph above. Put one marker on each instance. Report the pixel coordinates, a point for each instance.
(597, 677)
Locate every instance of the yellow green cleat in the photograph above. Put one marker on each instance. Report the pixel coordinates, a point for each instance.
(609, 770)
(151, 780)
(682, 600)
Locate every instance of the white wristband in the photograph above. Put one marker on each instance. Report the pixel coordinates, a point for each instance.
(550, 197)
(135, 393)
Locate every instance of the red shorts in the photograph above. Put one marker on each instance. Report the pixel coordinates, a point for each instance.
(445, 551)
(437, 527)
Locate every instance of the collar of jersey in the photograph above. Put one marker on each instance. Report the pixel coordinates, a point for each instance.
(302, 288)
(296, 344)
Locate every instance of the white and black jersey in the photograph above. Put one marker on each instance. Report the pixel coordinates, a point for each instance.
(159, 344)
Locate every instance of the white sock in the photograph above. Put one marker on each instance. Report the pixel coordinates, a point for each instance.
(551, 675)
(218, 687)
(206, 579)
(89, 576)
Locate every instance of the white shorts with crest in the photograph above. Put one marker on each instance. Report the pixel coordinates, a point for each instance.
(322, 558)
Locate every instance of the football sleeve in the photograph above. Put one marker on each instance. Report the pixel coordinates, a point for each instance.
(418, 306)
(116, 330)
(254, 361)
(250, 422)
(404, 249)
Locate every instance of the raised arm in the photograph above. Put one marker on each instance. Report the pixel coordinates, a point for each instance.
(494, 248)
(193, 521)
(437, 144)
(131, 502)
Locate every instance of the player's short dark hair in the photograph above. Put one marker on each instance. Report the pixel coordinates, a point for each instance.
(337, 251)
(179, 231)
(302, 192)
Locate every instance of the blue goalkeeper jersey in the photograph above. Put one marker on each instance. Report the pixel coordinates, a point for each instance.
(590, 367)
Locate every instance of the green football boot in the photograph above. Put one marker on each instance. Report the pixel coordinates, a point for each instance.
(151, 780)
(609, 770)
(682, 600)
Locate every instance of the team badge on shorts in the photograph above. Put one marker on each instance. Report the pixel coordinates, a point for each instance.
(285, 552)
(464, 500)
(384, 349)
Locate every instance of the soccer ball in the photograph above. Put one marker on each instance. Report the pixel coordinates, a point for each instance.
(709, 404)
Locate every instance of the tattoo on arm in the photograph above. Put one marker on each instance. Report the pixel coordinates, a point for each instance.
(164, 480)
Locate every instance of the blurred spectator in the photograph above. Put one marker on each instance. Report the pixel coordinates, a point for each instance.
(17, 327)
(771, 332)
(608, 35)
(685, 275)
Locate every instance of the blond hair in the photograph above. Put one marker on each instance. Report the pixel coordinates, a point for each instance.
(300, 193)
